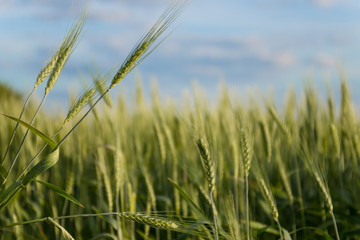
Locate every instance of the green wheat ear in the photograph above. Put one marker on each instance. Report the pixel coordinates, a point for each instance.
(207, 162)
(99, 82)
(155, 222)
(94, 90)
(246, 152)
(144, 47)
(58, 61)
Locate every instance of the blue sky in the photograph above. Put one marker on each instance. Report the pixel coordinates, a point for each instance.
(259, 45)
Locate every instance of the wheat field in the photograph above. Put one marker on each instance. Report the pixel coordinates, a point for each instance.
(149, 169)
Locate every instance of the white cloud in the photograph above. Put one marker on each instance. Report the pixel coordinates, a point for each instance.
(238, 48)
(325, 61)
(206, 70)
(106, 12)
(327, 3)
(285, 59)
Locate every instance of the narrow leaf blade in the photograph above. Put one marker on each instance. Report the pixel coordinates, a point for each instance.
(9, 193)
(46, 138)
(187, 198)
(60, 192)
(46, 163)
(3, 174)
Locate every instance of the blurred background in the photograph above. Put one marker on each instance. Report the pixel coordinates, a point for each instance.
(259, 46)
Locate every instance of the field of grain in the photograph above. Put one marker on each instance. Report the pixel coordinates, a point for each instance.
(149, 171)
(153, 170)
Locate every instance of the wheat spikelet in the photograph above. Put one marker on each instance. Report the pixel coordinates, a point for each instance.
(151, 221)
(331, 108)
(64, 52)
(207, 163)
(68, 40)
(266, 138)
(161, 141)
(316, 169)
(284, 177)
(347, 114)
(97, 88)
(208, 167)
(325, 191)
(70, 182)
(270, 199)
(105, 176)
(99, 83)
(280, 124)
(142, 48)
(57, 70)
(235, 156)
(246, 152)
(80, 103)
(45, 71)
(130, 63)
(356, 143)
(263, 181)
(335, 137)
(119, 162)
(290, 102)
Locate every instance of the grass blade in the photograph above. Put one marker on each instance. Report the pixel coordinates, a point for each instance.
(41, 167)
(60, 192)
(187, 198)
(46, 138)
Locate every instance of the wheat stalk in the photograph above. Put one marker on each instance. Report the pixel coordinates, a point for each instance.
(247, 165)
(284, 129)
(64, 232)
(208, 167)
(266, 139)
(315, 168)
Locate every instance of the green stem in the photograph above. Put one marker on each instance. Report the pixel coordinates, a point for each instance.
(335, 225)
(214, 216)
(64, 217)
(247, 208)
(37, 154)
(280, 230)
(17, 124)
(24, 138)
(82, 118)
